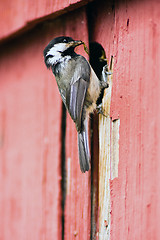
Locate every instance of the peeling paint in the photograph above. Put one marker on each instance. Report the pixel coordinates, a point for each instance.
(115, 148)
(104, 164)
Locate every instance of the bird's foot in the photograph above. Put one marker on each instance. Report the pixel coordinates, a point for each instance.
(100, 110)
(105, 74)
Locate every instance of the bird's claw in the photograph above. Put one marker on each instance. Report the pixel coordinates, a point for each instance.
(105, 74)
(100, 110)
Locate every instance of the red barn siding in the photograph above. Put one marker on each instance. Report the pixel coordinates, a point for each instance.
(77, 207)
(31, 115)
(139, 139)
(132, 35)
(30, 137)
(17, 14)
(30, 143)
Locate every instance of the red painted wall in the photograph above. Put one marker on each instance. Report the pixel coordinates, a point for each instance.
(18, 16)
(131, 33)
(31, 116)
(30, 141)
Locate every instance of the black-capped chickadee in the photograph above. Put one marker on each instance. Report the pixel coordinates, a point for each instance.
(78, 85)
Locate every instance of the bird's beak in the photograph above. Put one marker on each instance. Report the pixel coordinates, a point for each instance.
(103, 57)
(75, 43)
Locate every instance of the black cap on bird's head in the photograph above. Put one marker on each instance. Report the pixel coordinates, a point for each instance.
(58, 48)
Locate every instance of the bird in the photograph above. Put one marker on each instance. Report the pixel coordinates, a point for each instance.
(98, 62)
(78, 85)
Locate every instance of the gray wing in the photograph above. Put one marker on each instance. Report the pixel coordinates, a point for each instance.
(75, 94)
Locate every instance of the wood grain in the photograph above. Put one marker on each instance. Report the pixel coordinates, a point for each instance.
(18, 16)
(30, 140)
(130, 32)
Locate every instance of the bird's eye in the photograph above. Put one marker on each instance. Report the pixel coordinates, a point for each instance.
(64, 40)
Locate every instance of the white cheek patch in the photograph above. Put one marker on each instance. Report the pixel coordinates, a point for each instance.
(58, 59)
(55, 53)
(57, 48)
(52, 60)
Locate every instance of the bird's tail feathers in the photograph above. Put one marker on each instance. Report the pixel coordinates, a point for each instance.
(83, 147)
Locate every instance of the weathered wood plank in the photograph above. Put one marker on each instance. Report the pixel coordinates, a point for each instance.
(135, 193)
(101, 32)
(131, 34)
(19, 15)
(104, 164)
(30, 138)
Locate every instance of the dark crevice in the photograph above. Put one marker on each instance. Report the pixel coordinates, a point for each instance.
(94, 175)
(63, 168)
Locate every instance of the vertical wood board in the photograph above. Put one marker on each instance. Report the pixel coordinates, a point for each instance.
(130, 32)
(30, 138)
(136, 101)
